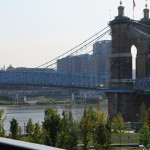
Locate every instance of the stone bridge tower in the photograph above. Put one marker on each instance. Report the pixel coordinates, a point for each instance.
(125, 100)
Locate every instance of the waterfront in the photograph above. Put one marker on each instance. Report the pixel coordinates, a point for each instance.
(36, 113)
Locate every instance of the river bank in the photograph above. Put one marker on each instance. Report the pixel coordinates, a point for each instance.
(23, 113)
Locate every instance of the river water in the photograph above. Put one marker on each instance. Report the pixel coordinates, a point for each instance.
(23, 113)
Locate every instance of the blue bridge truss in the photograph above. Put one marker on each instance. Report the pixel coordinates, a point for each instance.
(65, 78)
(53, 79)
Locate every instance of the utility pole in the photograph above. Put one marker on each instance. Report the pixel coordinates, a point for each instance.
(17, 97)
(73, 99)
(85, 98)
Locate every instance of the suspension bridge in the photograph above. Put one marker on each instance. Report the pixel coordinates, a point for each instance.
(125, 94)
(65, 77)
(62, 76)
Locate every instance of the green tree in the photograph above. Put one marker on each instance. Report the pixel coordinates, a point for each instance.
(68, 136)
(145, 135)
(2, 120)
(118, 126)
(14, 129)
(74, 136)
(101, 136)
(148, 116)
(29, 127)
(70, 116)
(62, 138)
(36, 137)
(142, 118)
(87, 125)
(52, 126)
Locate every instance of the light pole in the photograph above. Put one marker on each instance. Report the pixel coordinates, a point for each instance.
(24, 129)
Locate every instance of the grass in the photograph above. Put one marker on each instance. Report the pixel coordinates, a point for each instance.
(126, 148)
(51, 102)
(133, 138)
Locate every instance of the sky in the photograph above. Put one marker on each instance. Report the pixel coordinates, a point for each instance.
(33, 32)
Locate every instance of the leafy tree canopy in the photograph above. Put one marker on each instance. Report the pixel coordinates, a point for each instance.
(145, 135)
(14, 129)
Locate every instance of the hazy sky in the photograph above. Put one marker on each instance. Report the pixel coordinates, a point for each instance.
(35, 31)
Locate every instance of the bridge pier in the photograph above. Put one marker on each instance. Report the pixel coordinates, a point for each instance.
(128, 104)
(73, 99)
(84, 99)
(17, 99)
(125, 97)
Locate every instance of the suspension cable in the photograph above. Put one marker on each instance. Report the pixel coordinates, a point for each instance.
(134, 22)
(87, 44)
(65, 68)
(73, 48)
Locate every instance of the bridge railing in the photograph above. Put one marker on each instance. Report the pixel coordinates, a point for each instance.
(119, 85)
(142, 84)
(9, 144)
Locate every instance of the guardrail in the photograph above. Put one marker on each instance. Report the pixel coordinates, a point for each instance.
(9, 144)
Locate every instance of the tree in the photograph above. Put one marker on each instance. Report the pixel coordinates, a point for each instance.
(145, 135)
(142, 118)
(101, 136)
(148, 116)
(70, 117)
(52, 126)
(2, 120)
(87, 125)
(74, 136)
(36, 137)
(68, 136)
(63, 134)
(111, 111)
(118, 126)
(14, 129)
(29, 127)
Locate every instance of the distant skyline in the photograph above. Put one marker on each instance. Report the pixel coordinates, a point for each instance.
(33, 32)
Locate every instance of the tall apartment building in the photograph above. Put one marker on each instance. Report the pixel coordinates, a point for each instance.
(76, 64)
(99, 61)
(96, 63)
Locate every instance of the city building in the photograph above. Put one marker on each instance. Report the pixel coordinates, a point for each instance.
(11, 68)
(99, 61)
(96, 63)
(75, 64)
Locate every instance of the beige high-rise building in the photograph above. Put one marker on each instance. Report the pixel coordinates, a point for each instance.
(76, 64)
(96, 63)
(99, 61)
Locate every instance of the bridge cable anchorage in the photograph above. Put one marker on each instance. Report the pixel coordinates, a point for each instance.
(74, 47)
(81, 48)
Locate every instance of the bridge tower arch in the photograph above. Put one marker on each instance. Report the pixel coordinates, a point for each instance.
(127, 101)
(134, 55)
